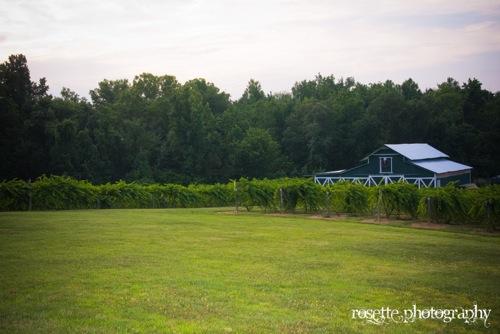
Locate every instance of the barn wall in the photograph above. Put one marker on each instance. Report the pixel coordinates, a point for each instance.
(460, 179)
(400, 165)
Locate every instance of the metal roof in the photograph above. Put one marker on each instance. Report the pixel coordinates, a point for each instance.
(333, 172)
(417, 151)
(441, 165)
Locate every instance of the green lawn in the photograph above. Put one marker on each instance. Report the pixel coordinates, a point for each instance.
(201, 270)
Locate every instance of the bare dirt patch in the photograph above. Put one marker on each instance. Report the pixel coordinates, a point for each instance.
(409, 223)
(402, 222)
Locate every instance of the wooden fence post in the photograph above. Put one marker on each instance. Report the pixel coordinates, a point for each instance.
(30, 196)
(281, 200)
(429, 209)
(236, 196)
(328, 203)
(378, 203)
(489, 221)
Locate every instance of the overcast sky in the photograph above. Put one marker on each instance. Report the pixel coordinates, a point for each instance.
(76, 44)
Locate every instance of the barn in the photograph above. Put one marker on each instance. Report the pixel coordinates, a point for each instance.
(419, 164)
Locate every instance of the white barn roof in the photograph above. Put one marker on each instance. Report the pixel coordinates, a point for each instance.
(441, 165)
(418, 151)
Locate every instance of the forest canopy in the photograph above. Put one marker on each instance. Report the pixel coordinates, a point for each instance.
(157, 129)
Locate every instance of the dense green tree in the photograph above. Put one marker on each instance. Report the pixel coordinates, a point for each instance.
(252, 93)
(24, 117)
(258, 155)
(156, 129)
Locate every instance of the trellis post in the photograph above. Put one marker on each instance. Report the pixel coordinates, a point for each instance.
(30, 196)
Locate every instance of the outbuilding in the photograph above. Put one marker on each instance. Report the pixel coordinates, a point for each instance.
(419, 164)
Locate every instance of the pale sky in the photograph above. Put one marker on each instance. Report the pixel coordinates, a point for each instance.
(76, 44)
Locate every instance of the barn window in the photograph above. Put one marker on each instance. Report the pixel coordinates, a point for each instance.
(385, 165)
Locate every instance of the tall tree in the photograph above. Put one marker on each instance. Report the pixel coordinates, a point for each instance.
(156, 129)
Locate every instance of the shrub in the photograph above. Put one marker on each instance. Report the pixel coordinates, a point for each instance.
(259, 193)
(14, 195)
(181, 197)
(349, 197)
(399, 198)
(124, 196)
(294, 193)
(61, 192)
(213, 195)
(444, 205)
(485, 205)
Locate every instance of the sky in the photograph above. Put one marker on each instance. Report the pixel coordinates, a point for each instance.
(76, 44)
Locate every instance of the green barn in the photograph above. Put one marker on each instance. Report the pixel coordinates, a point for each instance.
(419, 164)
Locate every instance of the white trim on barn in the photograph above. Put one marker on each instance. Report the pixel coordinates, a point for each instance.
(381, 161)
(374, 180)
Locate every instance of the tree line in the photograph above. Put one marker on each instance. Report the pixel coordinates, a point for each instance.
(157, 129)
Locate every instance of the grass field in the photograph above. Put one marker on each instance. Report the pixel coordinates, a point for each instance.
(206, 271)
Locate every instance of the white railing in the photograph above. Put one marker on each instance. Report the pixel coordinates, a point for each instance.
(374, 180)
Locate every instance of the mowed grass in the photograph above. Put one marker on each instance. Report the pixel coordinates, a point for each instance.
(206, 271)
